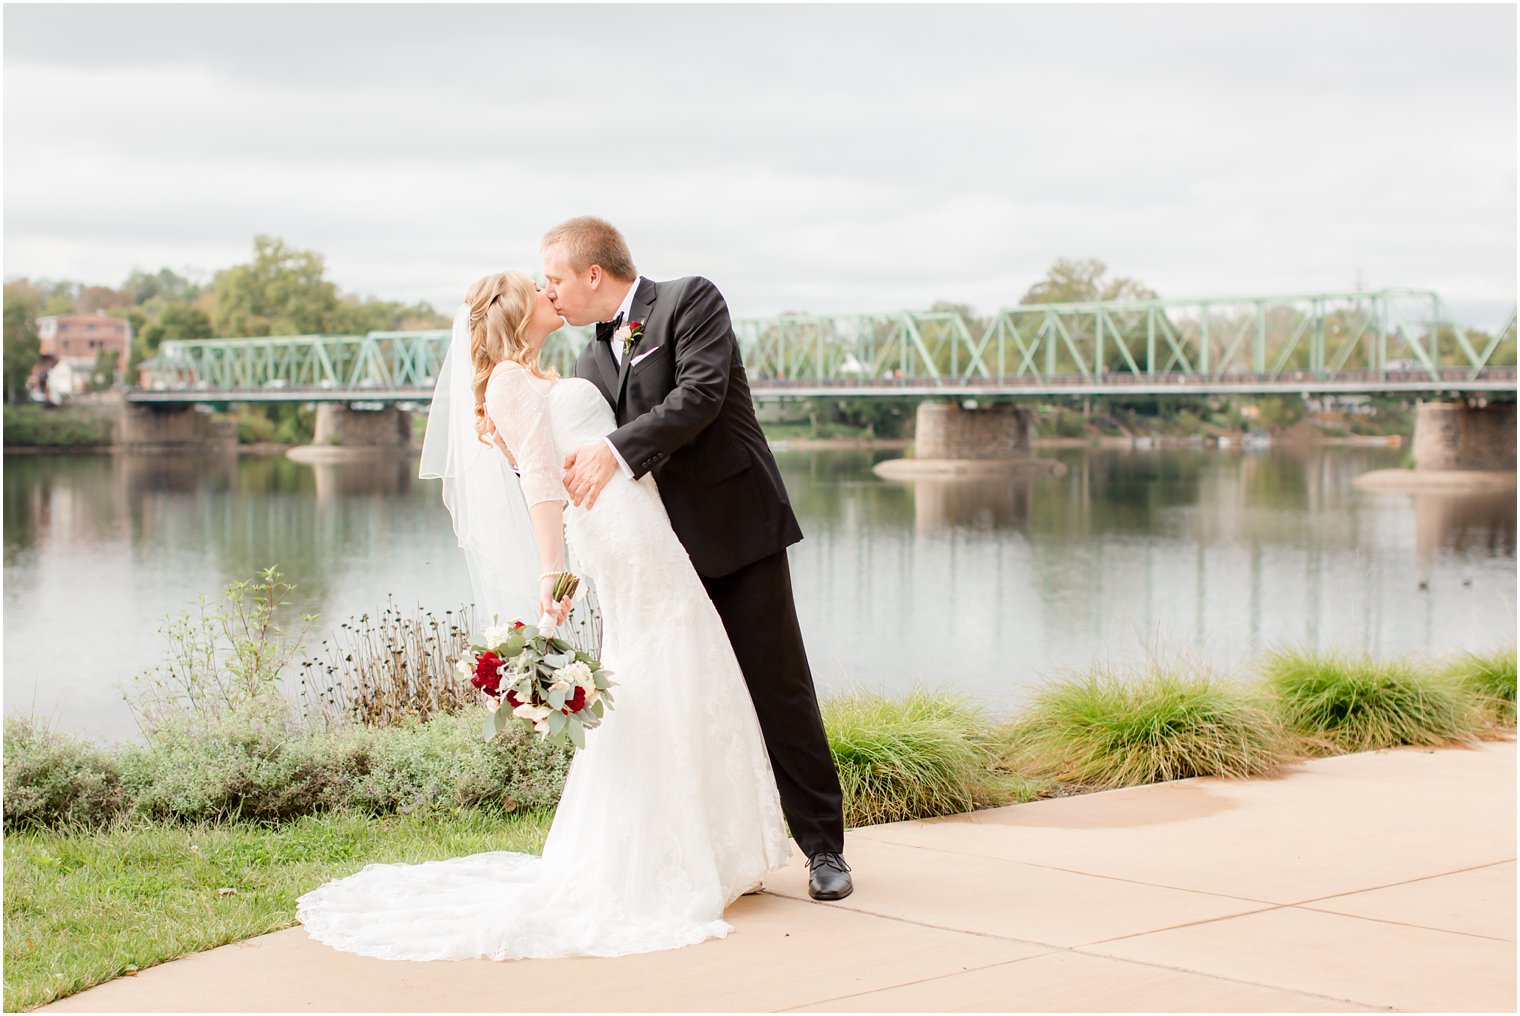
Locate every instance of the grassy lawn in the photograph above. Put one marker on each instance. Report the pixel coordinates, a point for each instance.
(84, 907)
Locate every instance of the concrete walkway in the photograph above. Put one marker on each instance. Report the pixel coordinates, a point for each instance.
(1374, 881)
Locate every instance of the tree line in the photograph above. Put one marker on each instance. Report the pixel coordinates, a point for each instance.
(280, 290)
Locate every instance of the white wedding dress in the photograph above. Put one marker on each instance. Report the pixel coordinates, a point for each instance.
(668, 814)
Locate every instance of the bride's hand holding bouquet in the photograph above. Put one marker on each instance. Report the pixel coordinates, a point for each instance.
(541, 680)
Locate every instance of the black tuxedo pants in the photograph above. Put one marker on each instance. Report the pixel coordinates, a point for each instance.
(756, 605)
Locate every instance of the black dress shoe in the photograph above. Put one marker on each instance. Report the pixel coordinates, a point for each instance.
(829, 877)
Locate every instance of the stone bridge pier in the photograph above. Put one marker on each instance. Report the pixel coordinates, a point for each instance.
(945, 430)
(1461, 436)
(344, 426)
(152, 426)
(950, 440)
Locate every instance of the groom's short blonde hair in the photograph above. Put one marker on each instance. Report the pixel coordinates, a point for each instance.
(589, 241)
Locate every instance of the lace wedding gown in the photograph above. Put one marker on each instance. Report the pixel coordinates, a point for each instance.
(668, 814)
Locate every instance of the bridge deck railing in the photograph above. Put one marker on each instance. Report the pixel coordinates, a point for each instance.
(1384, 336)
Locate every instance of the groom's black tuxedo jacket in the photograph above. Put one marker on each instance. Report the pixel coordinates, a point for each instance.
(685, 414)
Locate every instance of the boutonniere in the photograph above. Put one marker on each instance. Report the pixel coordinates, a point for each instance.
(630, 333)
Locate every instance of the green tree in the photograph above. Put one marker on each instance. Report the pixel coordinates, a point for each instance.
(103, 374)
(282, 291)
(101, 298)
(59, 297)
(356, 317)
(1085, 281)
(163, 285)
(178, 321)
(1082, 281)
(22, 348)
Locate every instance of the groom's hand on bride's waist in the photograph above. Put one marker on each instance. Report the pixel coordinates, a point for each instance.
(587, 470)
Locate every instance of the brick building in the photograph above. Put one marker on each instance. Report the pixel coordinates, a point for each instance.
(79, 337)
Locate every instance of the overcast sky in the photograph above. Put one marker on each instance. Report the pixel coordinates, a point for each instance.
(839, 158)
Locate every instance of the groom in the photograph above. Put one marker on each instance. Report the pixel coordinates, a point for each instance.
(667, 361)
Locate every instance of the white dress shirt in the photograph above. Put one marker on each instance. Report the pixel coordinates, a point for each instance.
(624, 310)
(617, 356)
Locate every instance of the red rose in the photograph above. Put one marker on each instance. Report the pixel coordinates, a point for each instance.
(575, 703)
(488, 673)
(513, 700)
(517, 624)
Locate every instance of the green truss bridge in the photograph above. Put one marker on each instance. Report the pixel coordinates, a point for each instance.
(1386, 341)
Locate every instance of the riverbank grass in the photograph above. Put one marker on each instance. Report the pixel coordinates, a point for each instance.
(85, 905)
(918, 756)
(1102, 730)
(1337, 703)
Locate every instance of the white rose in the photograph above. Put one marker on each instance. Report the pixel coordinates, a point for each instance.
(496, 634)
(529, 711)
(576, 673)
(465, 667)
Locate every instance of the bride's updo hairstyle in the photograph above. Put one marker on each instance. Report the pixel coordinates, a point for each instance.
(501, 309)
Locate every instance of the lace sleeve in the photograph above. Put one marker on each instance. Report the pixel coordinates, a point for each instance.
(516, 407)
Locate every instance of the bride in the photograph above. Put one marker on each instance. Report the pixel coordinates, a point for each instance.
(670, 812)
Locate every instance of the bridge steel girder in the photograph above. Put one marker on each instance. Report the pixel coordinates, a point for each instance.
(1312, 341)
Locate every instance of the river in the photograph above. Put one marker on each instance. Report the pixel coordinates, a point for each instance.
(984, 587)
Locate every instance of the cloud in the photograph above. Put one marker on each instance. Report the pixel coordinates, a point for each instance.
(805, 156)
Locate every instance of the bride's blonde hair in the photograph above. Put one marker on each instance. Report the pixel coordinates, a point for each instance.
(501, 309)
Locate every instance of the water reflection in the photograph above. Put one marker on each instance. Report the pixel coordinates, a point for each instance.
(986, 584)
(978, 503)
(383, 478)
(1464, 522)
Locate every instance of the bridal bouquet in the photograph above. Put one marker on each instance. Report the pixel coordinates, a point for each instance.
(523, 672)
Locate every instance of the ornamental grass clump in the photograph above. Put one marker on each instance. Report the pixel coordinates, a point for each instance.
(1339, 703)
(918, 756)
(1491, 681)
(1102, 730)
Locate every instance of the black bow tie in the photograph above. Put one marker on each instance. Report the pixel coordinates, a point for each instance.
(606, 329)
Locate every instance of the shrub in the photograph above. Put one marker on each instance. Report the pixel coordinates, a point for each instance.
(1105, 730)
(256, 766)
(250, 763)
(919, 756)
(222, 658)
(1071, 425)
(1490, 680)
(1344, 704)
(50, 427)
(413, 765)
(55, 780)
(294, 425)
(445, 762)
(254, 427)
